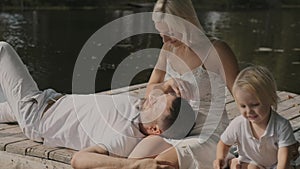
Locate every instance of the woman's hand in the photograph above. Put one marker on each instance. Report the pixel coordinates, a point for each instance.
(178, 86)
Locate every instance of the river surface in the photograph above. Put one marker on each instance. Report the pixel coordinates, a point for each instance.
(49, 42)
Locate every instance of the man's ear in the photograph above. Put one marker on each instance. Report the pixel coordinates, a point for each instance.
(154, 129)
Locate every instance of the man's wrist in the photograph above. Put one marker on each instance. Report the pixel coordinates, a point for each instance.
(131, 164)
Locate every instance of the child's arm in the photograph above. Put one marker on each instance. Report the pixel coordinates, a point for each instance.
(293, 151)
(222, 151)
(283, 158)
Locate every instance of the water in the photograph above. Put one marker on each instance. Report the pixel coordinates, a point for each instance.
(49, 42)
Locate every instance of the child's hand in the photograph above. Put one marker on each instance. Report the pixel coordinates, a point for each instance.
(219, 163)
(234, 163)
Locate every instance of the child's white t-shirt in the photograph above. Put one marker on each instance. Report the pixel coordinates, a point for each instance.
(279, 133)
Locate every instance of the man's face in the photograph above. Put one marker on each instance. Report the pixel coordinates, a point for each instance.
(154, 107)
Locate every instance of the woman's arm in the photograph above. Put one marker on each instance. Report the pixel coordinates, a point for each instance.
(158, 73)
(229, 63)
(223, 61)
(155, 81)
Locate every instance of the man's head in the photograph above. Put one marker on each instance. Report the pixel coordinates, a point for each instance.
(167, 115)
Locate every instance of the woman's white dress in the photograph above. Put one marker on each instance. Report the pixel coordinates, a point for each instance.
(208, 100)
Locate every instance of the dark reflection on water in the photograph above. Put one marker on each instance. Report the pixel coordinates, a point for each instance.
(268, 38)
(50, 41)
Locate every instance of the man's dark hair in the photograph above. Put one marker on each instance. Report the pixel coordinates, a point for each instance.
(180, 120)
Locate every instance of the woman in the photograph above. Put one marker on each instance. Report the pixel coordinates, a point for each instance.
(197, 68)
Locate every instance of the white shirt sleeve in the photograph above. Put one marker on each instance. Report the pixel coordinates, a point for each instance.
(285, 133)
(230, 135)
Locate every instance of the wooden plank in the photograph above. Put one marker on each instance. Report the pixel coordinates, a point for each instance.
(297, 136)
(10, 131)
(140, 92)
(229, 97)
(4, 126)
(283, 95)
(291, 113)
(41, 151)
(124, 89)
(16, 161)
(21, 147)
(232, 110)
(295, 124)
(63, 155)
(289, 103)
(4, 141)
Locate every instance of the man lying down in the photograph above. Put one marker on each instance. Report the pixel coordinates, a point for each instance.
(115, 123)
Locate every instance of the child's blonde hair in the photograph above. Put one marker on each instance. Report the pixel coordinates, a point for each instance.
(259, 81)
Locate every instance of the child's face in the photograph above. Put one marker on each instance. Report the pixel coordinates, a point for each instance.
(251, 108)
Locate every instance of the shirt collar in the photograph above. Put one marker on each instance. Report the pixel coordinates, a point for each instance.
(270, 127)
(269, 130)
(249, 133)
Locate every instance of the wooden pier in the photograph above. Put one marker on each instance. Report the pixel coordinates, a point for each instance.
(18, 152)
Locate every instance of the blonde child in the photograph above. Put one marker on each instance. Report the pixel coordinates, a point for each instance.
(262, 136)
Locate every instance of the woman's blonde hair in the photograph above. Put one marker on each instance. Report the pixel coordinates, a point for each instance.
(259, 81)
(177, 8)
(180, 8)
